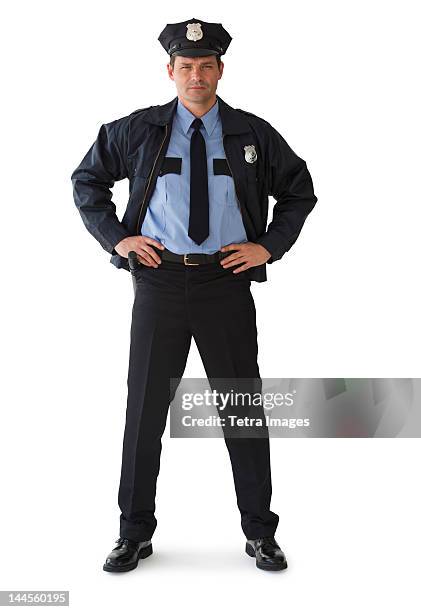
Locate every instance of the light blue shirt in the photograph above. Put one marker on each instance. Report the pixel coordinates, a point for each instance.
(167, 216)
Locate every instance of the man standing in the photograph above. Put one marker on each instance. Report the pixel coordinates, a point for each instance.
(200, 175)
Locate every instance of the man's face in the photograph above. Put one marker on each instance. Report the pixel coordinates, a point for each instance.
(196, 78)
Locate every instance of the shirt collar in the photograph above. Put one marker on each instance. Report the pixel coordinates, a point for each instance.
(209, 119)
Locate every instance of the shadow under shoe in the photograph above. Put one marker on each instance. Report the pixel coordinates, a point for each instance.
(125, 556)
(268, 554)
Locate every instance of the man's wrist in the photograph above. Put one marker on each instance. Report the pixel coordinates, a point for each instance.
(264, 243)
(121, 246)
(265, 250)
(267, 241)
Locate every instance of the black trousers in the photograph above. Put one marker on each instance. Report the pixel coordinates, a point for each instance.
(173, 303)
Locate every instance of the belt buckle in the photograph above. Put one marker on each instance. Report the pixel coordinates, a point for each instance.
(186, 263)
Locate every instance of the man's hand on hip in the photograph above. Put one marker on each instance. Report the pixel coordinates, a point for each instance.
(249, 254)
(141, 245)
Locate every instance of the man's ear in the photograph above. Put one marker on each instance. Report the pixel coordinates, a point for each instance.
(221, 69)
(170, 71)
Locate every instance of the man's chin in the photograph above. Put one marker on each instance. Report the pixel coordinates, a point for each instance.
(197, 94)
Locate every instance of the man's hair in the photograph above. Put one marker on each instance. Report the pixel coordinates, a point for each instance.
(173, 56)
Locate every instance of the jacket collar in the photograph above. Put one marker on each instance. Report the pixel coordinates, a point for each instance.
(232, 121)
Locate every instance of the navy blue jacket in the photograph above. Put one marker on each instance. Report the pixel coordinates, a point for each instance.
(134, 147)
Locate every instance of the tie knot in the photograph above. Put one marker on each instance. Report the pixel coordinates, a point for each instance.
(197, 124)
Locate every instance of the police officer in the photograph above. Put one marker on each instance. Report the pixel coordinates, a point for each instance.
(200, 173)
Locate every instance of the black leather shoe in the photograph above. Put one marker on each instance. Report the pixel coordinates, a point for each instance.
(268, 554)
(126, 555)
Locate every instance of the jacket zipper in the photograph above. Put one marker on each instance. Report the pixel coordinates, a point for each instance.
(149, 179)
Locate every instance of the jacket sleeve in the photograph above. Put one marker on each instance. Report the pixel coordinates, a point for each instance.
(93, 179)
(290, 183)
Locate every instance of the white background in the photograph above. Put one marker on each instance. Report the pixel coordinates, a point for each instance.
(340, 81)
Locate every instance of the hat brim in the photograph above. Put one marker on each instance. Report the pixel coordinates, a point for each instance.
(195, 52)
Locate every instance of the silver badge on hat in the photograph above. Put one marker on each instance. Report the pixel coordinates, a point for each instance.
(194, 31)
(250, 154)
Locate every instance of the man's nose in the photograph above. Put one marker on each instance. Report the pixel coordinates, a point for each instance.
(196, 72)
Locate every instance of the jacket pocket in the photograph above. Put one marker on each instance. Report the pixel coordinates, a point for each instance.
(140, 166)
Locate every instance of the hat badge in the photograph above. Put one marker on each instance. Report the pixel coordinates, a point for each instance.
(250, 154)
(194, 31)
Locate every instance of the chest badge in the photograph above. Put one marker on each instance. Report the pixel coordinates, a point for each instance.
(250, 154)
(194, 31)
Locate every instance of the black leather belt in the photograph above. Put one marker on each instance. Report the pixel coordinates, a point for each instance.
(192, 259)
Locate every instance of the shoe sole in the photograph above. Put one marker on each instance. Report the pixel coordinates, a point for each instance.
(143, 553)
(262, 565)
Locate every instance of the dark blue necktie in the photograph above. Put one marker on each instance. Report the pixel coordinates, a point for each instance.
(199, 198)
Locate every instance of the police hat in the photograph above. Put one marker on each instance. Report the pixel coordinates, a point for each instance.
(194, 37)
